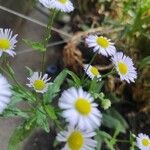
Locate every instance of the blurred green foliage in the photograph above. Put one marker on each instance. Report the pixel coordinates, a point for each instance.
(130, 19)
(133, 16)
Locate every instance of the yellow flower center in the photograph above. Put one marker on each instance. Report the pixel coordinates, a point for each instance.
(62, 1)
(146, 142)
(4, 44)
(103, 42)
(95, 71)
(83, 106)
(123, 68)
(75, 140)
(39, 85)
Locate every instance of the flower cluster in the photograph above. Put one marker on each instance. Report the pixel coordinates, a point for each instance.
(82, 113)
(123, 64)
(78, 107)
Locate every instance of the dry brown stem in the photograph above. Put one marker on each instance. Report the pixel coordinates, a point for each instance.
(78, 36)
(72, 56)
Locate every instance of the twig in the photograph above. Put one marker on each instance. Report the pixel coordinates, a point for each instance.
(103, 68)
(33, 20)
(49, 45)
(77, 37)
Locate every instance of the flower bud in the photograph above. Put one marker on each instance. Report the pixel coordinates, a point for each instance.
(106, 103)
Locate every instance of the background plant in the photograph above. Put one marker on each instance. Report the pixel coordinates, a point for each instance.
(40, 112)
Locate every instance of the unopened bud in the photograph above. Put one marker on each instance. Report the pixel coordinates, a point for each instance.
(106, 103)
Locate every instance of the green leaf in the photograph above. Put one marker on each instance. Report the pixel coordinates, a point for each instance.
(93, 85)
(11, 112)
(10, 69)
(104, 135)
(23, 94)
(41, 119)
(99, 142)
(144, 62)
(119, 117)
(109, 145)
(101, 136)
(75, 78)
(16, 98)
(113, 119)
(70, 82)
(112, 122)
(38, 46)
(18, 136)
(96, 86)
(51, 112)
(18, 95)
(54, 88)
(29, 71)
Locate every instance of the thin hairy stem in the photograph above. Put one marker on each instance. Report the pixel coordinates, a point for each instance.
(47, 36)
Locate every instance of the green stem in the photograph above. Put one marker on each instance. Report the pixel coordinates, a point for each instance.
(122, 141)
(58, 124)
(15, 111)
(11, 76)
(4, 71)
(109, 73)
(43, 61)
(47, 36)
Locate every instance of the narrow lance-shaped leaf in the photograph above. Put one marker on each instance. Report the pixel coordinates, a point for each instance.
(54, 88)
(112, 122)
(41, 119)
(75, 78)
(38, 46)
(18, 136)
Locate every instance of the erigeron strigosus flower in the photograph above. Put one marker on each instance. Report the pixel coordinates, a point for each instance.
(7, 42)
(79, 109)
(62, 5)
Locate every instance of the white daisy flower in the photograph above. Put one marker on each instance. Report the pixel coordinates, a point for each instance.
(101, 44)
(5, 93)
(124, 67)
(7, 42)
(79, 109)
(62, 5)
(77, 139)
(39, 83)
(143, 141)
(92, 72)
